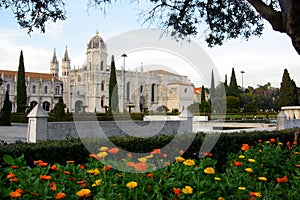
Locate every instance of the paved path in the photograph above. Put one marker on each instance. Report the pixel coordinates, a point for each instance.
(13, 133)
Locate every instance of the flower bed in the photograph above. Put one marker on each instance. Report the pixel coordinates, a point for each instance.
(270, 170)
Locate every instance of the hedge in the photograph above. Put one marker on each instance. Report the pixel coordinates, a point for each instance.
(74, 149)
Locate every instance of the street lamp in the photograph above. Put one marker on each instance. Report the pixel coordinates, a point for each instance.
(242, 72)
(124, 108)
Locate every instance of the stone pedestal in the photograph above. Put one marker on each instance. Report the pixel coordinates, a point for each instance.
(186, 121)
(37, 124)
(281, 121)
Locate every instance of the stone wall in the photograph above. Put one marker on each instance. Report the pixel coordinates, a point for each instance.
(61, 130)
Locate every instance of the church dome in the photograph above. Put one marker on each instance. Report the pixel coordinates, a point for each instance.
(96, 42)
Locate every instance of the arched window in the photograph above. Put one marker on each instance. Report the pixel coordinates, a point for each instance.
(33, 89)
(102, 101)
(102, 86)
(46, 89)
(152, 92)
(57, 90)
(8, 88)
(128, 92)
(101, 65)
(141, 89)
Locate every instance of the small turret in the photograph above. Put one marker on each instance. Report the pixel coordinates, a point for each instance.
(54, 65)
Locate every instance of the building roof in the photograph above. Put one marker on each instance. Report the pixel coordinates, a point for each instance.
(179, 83)
(32, 75)
(199, 90)
(163, 72)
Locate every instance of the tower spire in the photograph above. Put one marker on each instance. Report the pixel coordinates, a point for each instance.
(66, 56)
(54, 58)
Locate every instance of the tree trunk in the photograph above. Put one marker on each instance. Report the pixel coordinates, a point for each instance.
(287, 20)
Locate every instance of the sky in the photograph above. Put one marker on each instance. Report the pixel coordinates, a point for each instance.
(262, 59)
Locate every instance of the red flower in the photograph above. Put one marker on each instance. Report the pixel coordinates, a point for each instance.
(14, 167)
(208, 154)
(43, 164)
(53, 186)
(177, 191)
(106, 168)
(272, 140)
(150, 175)
(282, 180)
(238, 164)
(60, 195)
(130, 164)
(82, 167)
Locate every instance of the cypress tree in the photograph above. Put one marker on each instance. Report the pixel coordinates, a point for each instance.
(59, 110)
(233, 89)
(288, 91)
(21, 87)
(113, 87)
(6, 110)
(204, 106)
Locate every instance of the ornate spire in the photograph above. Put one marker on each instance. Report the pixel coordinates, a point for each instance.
(54, 58)
(66, 56)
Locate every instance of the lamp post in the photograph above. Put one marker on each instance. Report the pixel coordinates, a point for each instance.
(124, 108)
(242, 72)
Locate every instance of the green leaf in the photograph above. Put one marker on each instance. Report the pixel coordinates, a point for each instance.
(8, 159)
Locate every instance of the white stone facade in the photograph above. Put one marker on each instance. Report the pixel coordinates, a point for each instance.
(86, 88)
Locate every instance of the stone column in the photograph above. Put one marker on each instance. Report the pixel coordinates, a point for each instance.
(282, 121)
(186, 121)
(37, 124)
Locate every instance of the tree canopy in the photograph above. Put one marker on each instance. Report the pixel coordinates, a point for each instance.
(288, 91)
(217, 20)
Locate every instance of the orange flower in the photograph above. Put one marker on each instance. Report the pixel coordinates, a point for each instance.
(164, 155)
(45, 177)
(130, 164)
(140, 167)
(93, 155)
(43, 164)
(177, 191)
(13, 180)
(155, 151)
(15, 194)
(14, 167)
(10, 175)
(53, 186)
(272, 140)
(19, 190)
(53, 167)
(82, 167)
(106, 168)
(282, 180)
(60, 195)
(208, 154)
(150, 175)
(66, 172)
(113, 150)
(81, 182)
(38, 161)
(238, 164)
(260, 141)
(245, 147)
(129, 155)
(71, 161)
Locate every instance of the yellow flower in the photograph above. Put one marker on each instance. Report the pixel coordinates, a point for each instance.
(131, 184)
(249, 170)
(187, 190)
(297, 153)
(251, 160)
(260, 151)
(221, 198)
(241, 156)
(142, 160)
(102, 154)
(241, 188)
(262, 178)
(84, 193)
(209, 170)
(103, 148)
(217, 178)
(93, 171)
(97, 183)
(179, 159)
(258, 194)
(149, 156)
(189, 162)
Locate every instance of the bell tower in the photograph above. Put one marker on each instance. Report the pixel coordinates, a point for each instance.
(54, 66)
